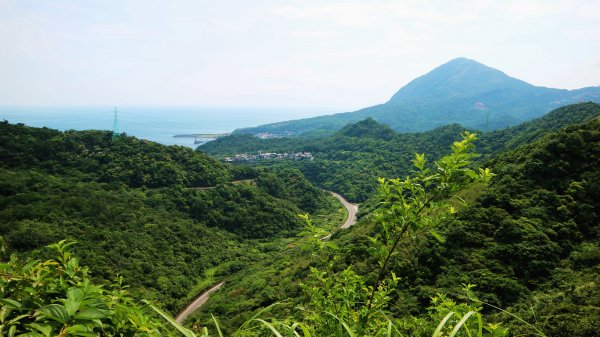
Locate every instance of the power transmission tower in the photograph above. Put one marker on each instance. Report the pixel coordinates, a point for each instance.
(116, 133)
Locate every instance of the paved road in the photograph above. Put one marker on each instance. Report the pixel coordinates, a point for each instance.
(197, 303)
(200, 300)
(352, 209)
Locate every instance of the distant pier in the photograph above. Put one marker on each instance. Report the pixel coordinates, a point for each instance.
(202, 135)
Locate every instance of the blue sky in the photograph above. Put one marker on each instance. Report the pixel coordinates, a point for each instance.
(337, 55)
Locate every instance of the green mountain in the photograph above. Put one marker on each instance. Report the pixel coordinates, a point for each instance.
(350, 160)
(136, 210)
(491, 143)
(368, 128)
(461, 91)
(529, 242)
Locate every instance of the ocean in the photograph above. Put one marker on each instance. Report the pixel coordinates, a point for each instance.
(157, 124)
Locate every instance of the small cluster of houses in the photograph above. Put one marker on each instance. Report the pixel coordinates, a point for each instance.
(245, 157)
(267, 135)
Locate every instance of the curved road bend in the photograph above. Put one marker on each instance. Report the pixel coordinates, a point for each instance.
(352, 209)
(200, 300)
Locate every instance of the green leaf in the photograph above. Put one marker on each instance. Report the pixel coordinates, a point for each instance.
(29, 265)
(437, 236)
(91, 314)
(346, 327)
(11, 304)
(419, 161)
(16, 319)
(56, 312)
(260, 312)
(74, 298)
(45, 329)
(75, 294)
(304, 328)
(12, 330)
(80, 330)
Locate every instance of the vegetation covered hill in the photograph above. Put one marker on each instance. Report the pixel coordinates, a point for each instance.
(91, 156)
(461, 91)
(529, 242)
(130, 206)
(350, 160)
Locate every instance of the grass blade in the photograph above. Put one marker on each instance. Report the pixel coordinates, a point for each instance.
(461, 323)
(350, 332)
(270, 326)
(217, 325)
(245, 324)
(305, 331)
(539, 332)
(185, 331)
(440, 326)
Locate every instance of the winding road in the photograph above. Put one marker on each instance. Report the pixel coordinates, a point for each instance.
(197, 303)
(200, 300)
(352, 209)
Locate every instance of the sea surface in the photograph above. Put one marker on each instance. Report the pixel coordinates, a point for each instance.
(157, 124)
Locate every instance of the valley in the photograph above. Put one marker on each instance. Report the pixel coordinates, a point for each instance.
(504, 219)
(349, 220)
(289, 168)
(515, 224)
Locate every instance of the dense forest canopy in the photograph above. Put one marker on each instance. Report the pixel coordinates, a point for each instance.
(529, 242)
(91, 155)
(134, 209)
(350, 160)
(516, 228)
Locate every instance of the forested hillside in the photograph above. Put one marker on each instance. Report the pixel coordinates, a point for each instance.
(531, 239)
(91, 156)
(529, 243)
(350, 160)
(134, 209)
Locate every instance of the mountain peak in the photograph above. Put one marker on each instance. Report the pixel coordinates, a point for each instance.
(456, 78)
(461, 60)
(461, 91)
(368, 128)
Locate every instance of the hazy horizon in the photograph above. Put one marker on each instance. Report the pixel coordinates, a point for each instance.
(158, 124)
